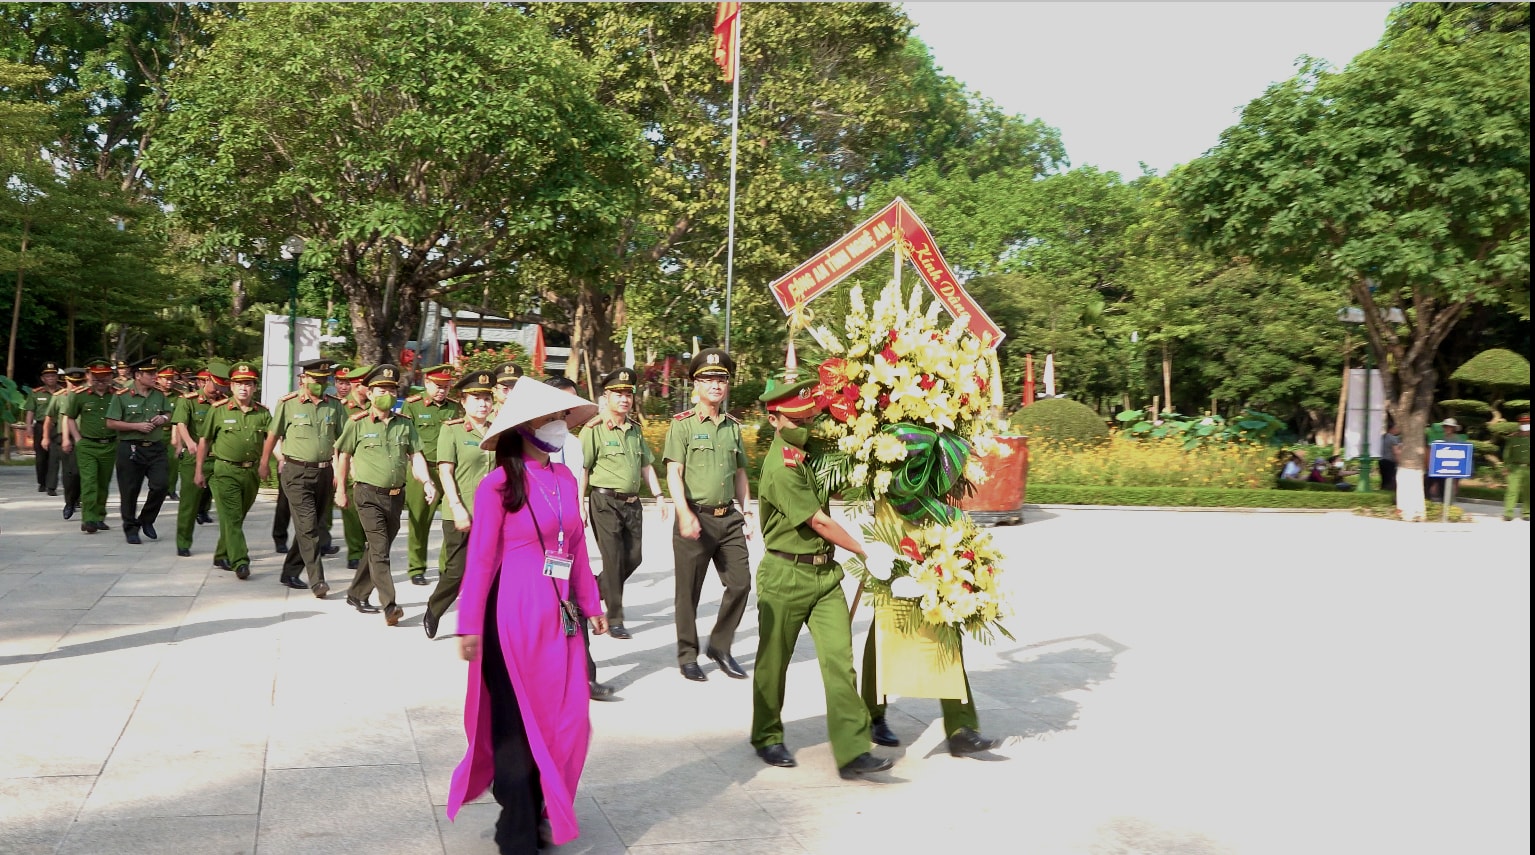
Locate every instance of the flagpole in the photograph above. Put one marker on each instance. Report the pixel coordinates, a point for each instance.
(735, 127)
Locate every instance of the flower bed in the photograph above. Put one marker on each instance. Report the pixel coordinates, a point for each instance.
(1200, 497)
(1126, 462)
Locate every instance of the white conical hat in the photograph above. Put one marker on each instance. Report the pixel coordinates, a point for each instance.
(531, 399)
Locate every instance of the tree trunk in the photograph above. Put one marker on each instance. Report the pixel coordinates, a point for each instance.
(598, 316)
(380, 334)
(21, 268)
(1167, 378)
(69, 330)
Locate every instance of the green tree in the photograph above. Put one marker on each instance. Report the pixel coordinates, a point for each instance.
(1402, 180)
(419, 149)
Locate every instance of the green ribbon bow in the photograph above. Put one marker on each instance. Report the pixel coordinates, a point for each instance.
(935, 463)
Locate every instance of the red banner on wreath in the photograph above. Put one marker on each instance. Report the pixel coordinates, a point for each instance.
(896, 221)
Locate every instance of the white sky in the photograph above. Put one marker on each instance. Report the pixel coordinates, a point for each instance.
(1130, 82)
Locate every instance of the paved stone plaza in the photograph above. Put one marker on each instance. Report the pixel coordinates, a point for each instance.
(1181, 684)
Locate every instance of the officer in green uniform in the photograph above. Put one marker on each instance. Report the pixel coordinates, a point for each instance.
(124, 375)
(36, 410)
(1516, 456)
(506, 377)
(354, 397)
(614, 459)
(706, 473)
(461, 465)
(96, 453)
(799, 584)
(428, 411)
(166, 380)
(140, 415)
(380, 451)
(308, 422)
(232, 436)
(186, 420)
(59, 460)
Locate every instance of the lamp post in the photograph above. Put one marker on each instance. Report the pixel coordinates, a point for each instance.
(292, 248)
(1355, 315)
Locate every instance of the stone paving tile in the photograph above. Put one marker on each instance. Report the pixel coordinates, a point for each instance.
(32, 632)
(177, 782)
(51, 591)
(167, 584)
(332, 810)
(679, 797)
(224, 835)
(140, 610)
(36, 812)
(44, 741)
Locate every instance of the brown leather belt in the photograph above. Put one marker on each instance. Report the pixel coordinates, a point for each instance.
(626, 498)
(712, 510)
(308, 464)
(246, 465)
(388, 491)
(818, 560)
(99, 439)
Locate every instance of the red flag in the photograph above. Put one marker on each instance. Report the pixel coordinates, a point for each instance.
(725, 46)
(539, 354)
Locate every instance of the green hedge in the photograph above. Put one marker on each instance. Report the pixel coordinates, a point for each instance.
(1200, 497)
(1494, 494)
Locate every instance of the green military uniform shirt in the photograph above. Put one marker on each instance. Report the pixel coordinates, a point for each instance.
(788, 495)
(710, 452)
(89, 410)
(190, 410)
(134, 408)
(429, 419)
(37, 403)
(57, 405)
(308, 429)
(1516, 450)
(235, 435)
(380, 449)
(616, 457)
(459, 445)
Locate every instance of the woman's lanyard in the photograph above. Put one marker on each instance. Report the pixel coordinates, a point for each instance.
(557, 566)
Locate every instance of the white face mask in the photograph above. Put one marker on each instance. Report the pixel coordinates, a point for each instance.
(553, 434)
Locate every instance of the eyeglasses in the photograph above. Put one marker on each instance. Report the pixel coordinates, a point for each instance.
(712, 381)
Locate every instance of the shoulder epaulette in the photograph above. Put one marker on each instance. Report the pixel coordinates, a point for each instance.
(359, 415)
(288, 397)
(635, 420)
(732, 417)
(682, 415)
(596, 420)
(190, 396)
(453, 422)
(412, 399)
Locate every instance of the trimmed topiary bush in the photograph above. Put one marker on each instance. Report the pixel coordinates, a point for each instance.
(1466, 407)
(1060, 419)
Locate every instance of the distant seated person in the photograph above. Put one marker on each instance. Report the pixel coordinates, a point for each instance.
(1318, 473)
(1294, 468)
(1337, 471)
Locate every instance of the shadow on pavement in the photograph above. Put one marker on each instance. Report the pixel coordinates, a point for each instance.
(158, 635)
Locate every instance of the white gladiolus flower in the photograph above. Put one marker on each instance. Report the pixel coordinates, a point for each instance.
(906, 588)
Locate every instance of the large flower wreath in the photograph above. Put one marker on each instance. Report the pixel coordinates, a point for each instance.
(908, 404)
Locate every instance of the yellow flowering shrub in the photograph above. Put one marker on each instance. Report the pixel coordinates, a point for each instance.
(1125, 462)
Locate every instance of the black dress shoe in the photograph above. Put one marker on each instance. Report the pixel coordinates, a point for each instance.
(880, 732)
(204, 518)
(133, 538)
(41, 488)
(183, 553)
(966, 741)
(53, 492)
(429, 624)
(88, 527)
(617, 631)
(601, 691)
(148, 530)
(392, 614)
(222, 564)
(320, 590)
(727, 663)
(175, 497)
(694, 673)
(363, 606)
(351, 563)
(102, 526)
(865, 764)
(419, 579)
(242, 571)
(777, 755)
(295, 584)
(330, 550)
(281, 546)
(69, 511)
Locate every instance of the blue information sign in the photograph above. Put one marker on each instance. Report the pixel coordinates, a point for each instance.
(1449, 460)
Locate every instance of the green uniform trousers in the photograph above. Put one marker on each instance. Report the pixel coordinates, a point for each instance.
(379, 514)
(722, 541)
(454, 554)
(308, 489)
(1517, 493)
(96, 461)
(173, 476)
(68, 468)
(618, 527)
(234, 491)
(191, 499)
(956, 713)
(421, 514)
(790, 596)
(351, 528)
